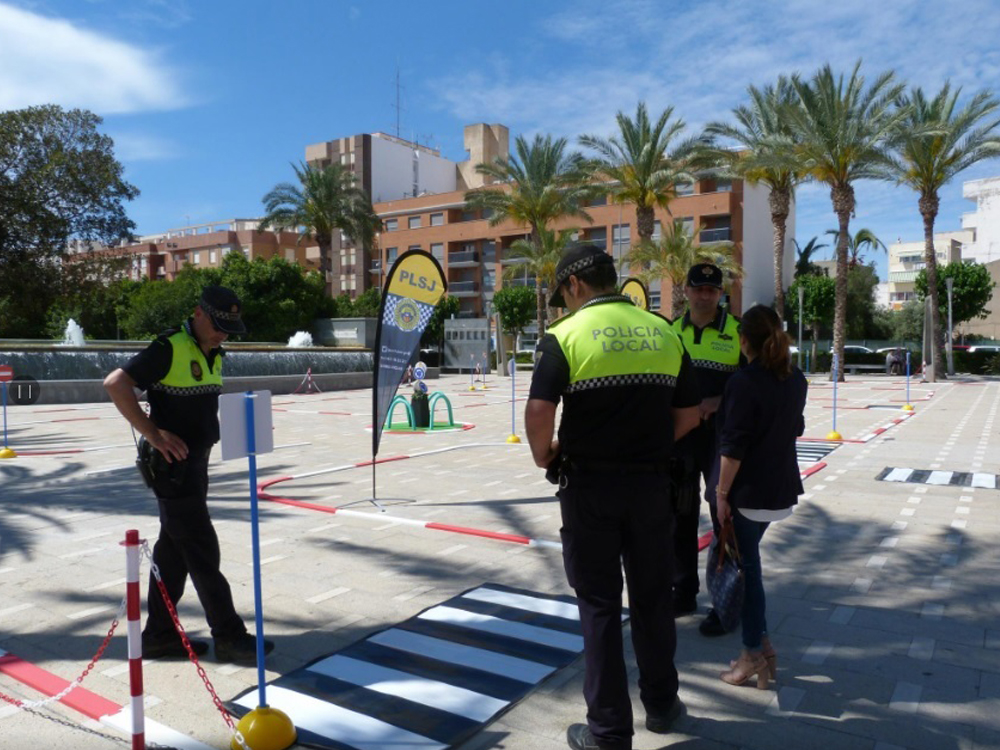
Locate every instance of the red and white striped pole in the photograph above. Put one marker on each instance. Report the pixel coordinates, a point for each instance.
(132, 608)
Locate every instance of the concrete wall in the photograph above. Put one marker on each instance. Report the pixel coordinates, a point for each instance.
(758, 248)
(359, 332)
(393, 171)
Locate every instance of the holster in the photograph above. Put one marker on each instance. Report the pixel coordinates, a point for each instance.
(157, 473)
(554, 469)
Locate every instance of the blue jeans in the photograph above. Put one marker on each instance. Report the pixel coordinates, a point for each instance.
(754, 619)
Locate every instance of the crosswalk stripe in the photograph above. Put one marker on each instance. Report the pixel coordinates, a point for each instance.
(939, 477)
(432, 681)
(898, 475)
(986, 481)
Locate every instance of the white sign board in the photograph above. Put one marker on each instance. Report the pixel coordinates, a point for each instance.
(233, 424)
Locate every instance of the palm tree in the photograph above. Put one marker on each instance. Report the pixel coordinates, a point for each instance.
(936, 142)
(862, 238)
(324, 201)
(640, 165)
(674, 254)
(764, 155)
(539, 185)
(843, 130)
(539, 261)
(804, 265)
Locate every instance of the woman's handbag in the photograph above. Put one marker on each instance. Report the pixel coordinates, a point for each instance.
(725, 577)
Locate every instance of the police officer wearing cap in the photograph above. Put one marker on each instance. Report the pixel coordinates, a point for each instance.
(181, 372)
(627, 391)
(711, 337)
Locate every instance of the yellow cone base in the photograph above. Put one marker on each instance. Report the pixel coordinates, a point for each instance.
(266, 729)
(513, 439)
(907, 407)
(833, 435)
(472, 387)
(7, 453)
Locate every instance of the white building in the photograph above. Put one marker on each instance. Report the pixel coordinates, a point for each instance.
(906, 260)
(758, 248)
(984, 222)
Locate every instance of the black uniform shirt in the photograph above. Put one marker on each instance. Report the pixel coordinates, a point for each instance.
(625, 424)
(194, 419)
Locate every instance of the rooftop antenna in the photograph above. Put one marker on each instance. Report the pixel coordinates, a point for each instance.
(398, 105)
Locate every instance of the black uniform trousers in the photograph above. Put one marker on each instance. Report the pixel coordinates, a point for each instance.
(188, 545)
(610, 519)
(700, 445)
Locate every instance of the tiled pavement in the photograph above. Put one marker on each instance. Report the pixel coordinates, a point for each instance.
(882, 598)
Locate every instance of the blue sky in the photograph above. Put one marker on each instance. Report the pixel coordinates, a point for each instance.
(208, 102)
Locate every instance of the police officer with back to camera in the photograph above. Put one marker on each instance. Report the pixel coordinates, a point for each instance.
(181, 372)
(711, 337)
(627, 390)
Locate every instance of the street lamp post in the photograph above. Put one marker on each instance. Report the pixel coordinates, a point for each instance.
(802, 294)
(950, 282)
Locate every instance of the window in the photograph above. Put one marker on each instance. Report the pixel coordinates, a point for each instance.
(437, 220)
(391, 225)
(212, 257)
(598, 236)
(657, 231)
(621, 236)
(390, 255)
(469, 216)
(601, 200)
(687, 224)
(414, 247)
(489, 251)
(685, 188)
(225, 251)
(723, 185)
(195, 257)
(413, 222)
(437, 250)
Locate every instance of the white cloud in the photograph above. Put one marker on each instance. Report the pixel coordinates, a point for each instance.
(50, 61)
(133, 147)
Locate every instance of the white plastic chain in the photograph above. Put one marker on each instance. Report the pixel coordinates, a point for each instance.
(155, 570)
(30, 705)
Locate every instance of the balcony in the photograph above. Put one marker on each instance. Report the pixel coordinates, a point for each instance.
(463, 259)
(722, 234)
(463, 288)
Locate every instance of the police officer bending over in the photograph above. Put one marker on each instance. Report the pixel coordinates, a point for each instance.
(627, 392)
(711, 337)
(181, 372)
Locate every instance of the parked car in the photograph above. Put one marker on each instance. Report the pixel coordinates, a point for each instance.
(984, 348)
(857, 349)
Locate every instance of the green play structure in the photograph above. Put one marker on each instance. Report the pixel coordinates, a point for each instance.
(415, 420)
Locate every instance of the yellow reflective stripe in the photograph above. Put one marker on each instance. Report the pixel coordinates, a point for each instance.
(185, 351)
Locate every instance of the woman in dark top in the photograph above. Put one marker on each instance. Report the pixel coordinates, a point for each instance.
(757, 471)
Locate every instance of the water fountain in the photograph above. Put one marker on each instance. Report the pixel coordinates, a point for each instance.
(73, 335)
(300, 339)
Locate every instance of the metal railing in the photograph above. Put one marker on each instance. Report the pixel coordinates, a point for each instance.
(715, 235)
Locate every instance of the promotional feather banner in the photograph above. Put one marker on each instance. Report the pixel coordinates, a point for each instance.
(414, 285)
(636, 290)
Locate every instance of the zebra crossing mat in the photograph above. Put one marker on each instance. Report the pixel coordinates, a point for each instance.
(941, 478)
(434, 680)
(812, 451)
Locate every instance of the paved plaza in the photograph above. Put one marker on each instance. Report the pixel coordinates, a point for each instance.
(883, 598)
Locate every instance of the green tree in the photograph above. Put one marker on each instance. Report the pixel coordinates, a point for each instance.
(804, 265)
(674, 254)
(445, 308)
(818, 303)
(640, 165)
(367, 304)
(538, 261)
(908, 322)
(278, 298)
(764, 155)
(856, 244)
(515, 306)
(843, 131)
(971, 292)
(538, 185)
(325, 202)
(937, 141)
(59, 181)
(861, 308)
(158, 305)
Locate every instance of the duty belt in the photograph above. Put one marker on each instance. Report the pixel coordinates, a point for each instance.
(597, 466)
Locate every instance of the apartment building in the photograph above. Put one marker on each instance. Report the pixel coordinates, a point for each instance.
(162, 256)
(473, 253)
(388, 168)
(984, 222)
(906, 260)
